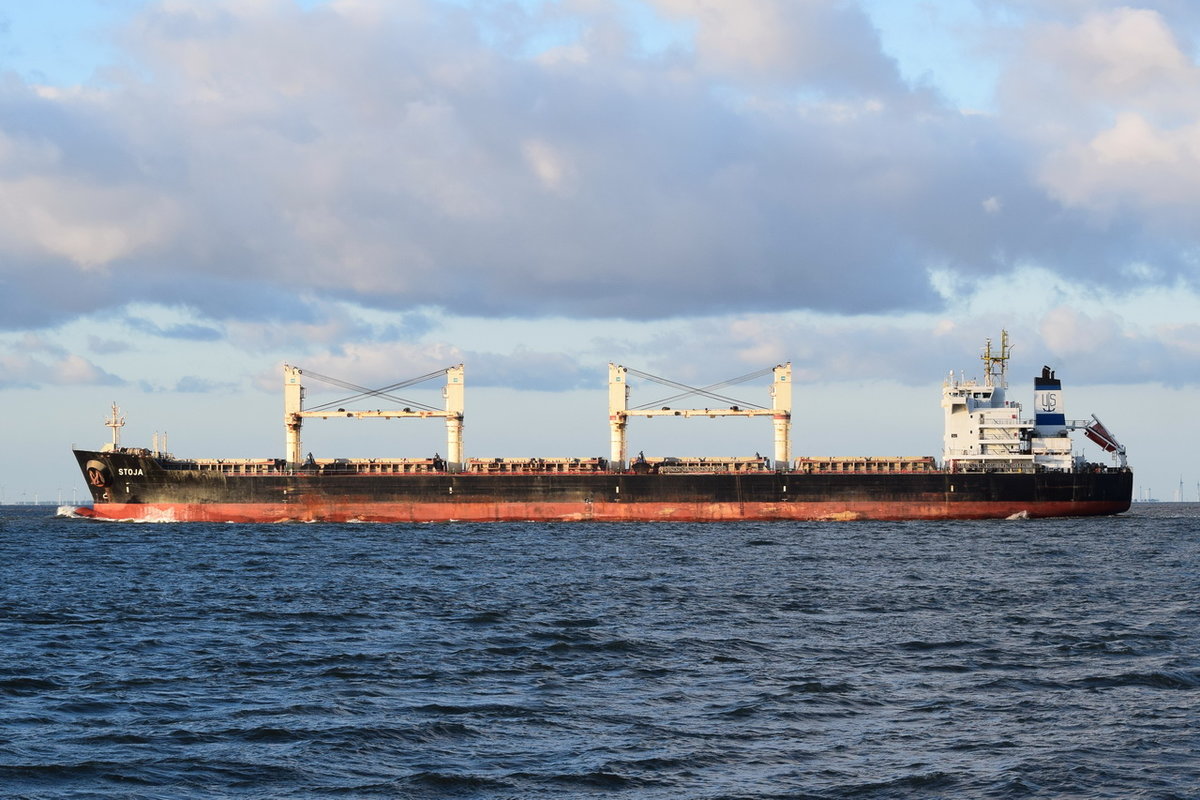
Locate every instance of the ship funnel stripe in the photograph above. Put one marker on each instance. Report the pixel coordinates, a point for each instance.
(1051, 419)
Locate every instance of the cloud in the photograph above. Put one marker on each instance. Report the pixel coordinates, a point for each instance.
(326, 326)
(198, 385)
(1102, 347)
(418, 159)
(1111, 99)
(98, 344)
(824, 45)
(1179, 12)
(533, 370)
(35, 343)
(71, 190)
(19, 370)
(189, 331)
(73, 370)
(372, 365)
(1086, 346)
(1130, 166)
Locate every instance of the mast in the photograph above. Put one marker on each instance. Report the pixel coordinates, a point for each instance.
(781, 404)
(293, 400)
(618, 407)
(995, 365)
(116, 422)
(454, 393)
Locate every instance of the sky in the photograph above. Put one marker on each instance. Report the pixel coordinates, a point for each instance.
(194, 192)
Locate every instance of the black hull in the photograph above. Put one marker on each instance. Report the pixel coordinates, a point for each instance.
(139, 487)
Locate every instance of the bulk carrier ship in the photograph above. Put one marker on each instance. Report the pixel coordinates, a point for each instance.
(995, 464)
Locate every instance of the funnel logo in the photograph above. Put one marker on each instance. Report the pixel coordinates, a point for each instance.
(1046, 402)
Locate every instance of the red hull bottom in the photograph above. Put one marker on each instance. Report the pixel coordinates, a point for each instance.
(596, 512)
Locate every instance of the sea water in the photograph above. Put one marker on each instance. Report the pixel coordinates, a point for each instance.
(1008, 659)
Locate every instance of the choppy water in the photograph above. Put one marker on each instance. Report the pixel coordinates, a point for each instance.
(1007, 659)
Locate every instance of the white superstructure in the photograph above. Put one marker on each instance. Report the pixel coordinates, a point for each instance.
(985, 431)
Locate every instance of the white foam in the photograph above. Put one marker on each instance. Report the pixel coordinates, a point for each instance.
(153, 515)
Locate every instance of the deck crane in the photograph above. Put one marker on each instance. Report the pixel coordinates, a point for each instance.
(294, 413)
(619, 411)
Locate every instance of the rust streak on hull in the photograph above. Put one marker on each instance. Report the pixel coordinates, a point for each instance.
(316, 511)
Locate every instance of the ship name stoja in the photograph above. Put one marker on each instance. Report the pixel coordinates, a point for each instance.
(130, 471)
